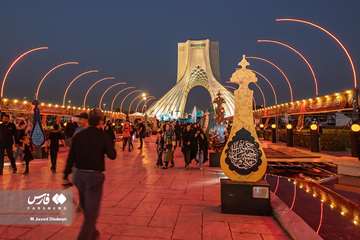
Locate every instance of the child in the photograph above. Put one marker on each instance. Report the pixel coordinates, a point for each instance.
(159, 148)
(27, 153)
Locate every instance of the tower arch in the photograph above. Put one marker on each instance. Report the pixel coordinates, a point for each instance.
(198, 64)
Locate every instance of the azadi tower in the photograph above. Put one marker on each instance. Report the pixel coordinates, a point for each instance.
(198, 65)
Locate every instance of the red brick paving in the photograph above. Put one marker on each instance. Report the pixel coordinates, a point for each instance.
(143, 202)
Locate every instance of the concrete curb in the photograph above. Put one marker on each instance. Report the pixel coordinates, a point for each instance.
(294, 225)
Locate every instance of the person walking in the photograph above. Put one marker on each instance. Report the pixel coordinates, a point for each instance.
(54, 138)
(20, 134)
(203, 146)
(109, 130)
(87, 155)
(170, 145)
(7, 136)
(178, 131)
(69, 131)
(194, 142)
(186, 144)
(82, 124)
(141, 132)
(127, 135)
(159, 148)
(27, 149)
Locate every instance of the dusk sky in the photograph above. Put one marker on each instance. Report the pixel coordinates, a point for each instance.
(136, 42)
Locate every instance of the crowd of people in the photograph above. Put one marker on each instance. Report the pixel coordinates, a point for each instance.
(15, 140)
(90, 140)
(189, 137)
(15, 143)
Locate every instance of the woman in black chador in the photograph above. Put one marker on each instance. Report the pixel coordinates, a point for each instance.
(187, 136)
(160, 144)
(194, 142)
(203, 146)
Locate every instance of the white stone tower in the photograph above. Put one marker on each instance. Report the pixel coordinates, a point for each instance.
(198, 65)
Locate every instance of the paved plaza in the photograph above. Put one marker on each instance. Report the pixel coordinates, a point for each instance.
(144, 202)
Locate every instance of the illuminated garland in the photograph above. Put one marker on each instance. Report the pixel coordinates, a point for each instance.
(43, 105)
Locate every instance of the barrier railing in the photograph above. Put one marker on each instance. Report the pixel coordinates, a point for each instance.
(328, 213)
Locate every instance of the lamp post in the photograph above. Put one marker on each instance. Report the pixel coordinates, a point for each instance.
(142, 100)
(262, 129)
(143, 96)
(289, 135)
(107, 90)
(355, 140)
(273, 132)
(74, 80)
(130, 93)
(314, 137)
(145, 106)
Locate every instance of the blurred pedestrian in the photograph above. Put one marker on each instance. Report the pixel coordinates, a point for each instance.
(170, 145)
(186, 144)
(109, 130)
(20, 134)
(69, 131)
(178, 131)
(159, 148)
(27, 149)
(141, 130)
(7, 137)
(126, 131)
(87, 155)
(54, 139)
(82, 122)
(203, 147)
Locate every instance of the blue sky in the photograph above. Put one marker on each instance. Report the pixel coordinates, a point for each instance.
(136, 41)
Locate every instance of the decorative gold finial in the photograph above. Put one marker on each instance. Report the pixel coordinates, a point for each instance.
(243, 63)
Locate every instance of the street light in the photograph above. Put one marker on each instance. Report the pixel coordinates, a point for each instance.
(270, 84)
(21, 56)
(93, 85)
(290, 135)
(273, 133)
(314, 137)
(146, 103)
(108, 89)
(116, 96)
(300, 55)
(355, 140)
(143, 95)
(130, 93)
(280, 70)
(48, 73)
(346, 51)
(143, 100)
(74, 80)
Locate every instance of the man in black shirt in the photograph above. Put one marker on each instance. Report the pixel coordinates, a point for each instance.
(54, 138)
(7, 136)
(87, 155)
